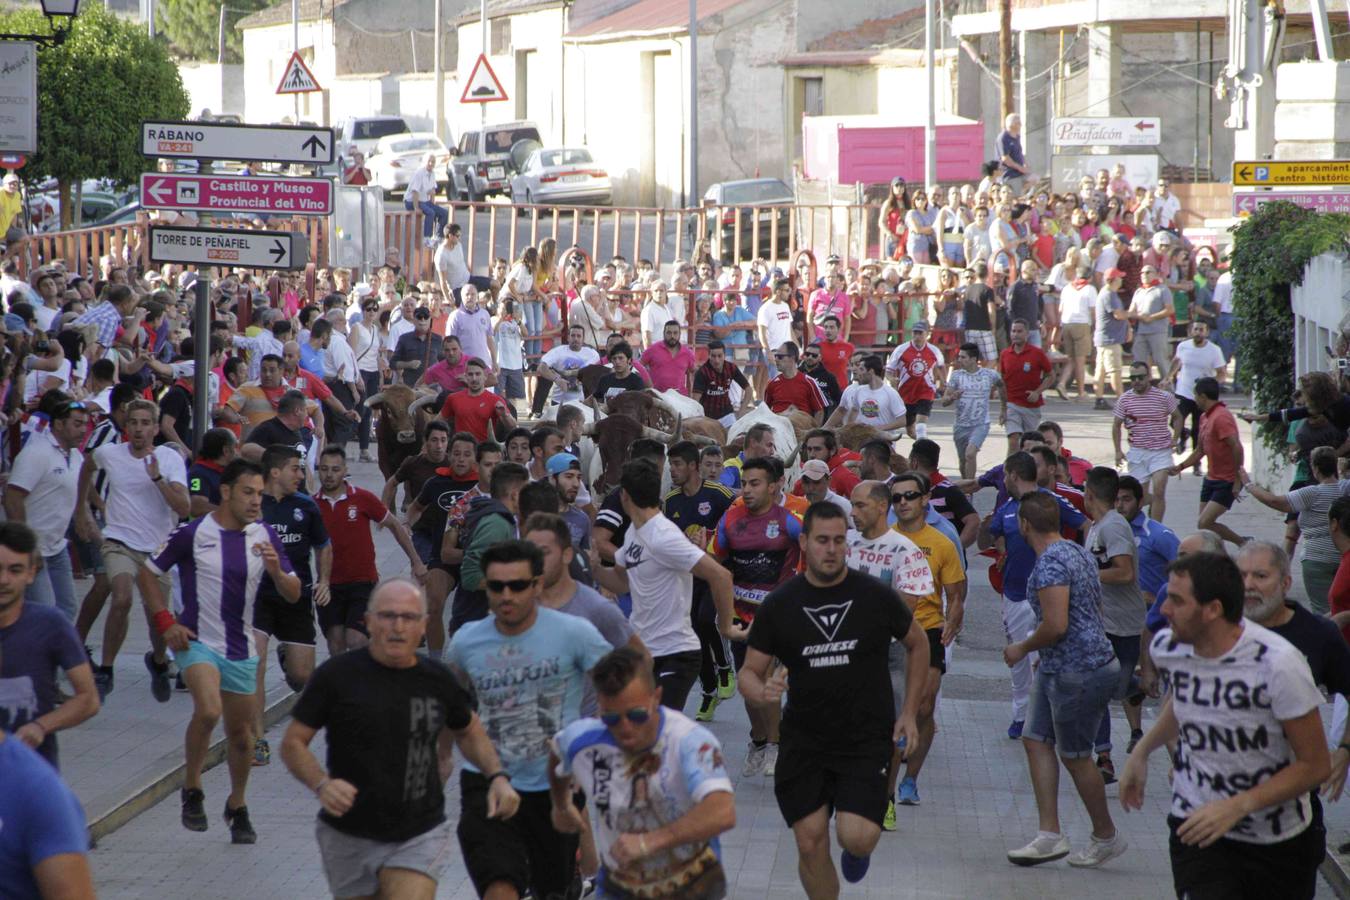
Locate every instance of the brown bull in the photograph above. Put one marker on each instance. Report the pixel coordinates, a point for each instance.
(398, 433)
(853, 436)
(650, 409)
(613, 436)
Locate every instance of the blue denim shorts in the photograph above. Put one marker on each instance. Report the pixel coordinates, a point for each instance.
(1067, 707)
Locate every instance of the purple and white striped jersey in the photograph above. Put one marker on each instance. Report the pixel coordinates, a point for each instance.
(220, 575)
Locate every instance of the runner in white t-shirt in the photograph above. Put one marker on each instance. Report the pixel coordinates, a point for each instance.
(869, 400)
(1195, 358)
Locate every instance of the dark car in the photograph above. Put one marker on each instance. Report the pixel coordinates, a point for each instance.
(720, 203)
(482, 163)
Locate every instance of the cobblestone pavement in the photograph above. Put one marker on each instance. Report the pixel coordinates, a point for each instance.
(977, 800)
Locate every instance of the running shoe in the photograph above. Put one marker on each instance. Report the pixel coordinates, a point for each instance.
(908, 794)
(1100, 403)
(1098, 852)
(103, 681)
(1107, 768)
(770, 760)
(706, 707)
(262, 752)
(194, 809)
(366, 457)
(754, 760)
(160, 686)
(241, 829)
(1015, 729)
(1135, 737)
(1045, 848)
(853, 868)
(888, 823)
(726, 683)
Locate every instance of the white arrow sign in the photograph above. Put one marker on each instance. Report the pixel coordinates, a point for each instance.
(228, 247)
(263, 143)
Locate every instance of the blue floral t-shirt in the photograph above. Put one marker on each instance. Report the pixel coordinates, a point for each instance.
(1084, 646)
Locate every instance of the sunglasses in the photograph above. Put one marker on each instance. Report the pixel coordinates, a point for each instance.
(638, 715)
(907, 496)
(68, 406)
(516, 585)
(810, 356)
(1134, 377)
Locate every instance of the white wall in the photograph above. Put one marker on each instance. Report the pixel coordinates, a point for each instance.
(266, 52)
(539, 33)
(417, 102)
(214, 87)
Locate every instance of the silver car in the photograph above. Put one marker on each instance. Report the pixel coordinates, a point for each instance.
(561, 175)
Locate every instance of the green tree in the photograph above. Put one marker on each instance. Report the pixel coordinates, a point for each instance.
(93, 93)
(193, 27)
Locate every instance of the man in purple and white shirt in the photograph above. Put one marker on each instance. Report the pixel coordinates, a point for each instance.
(221, 558)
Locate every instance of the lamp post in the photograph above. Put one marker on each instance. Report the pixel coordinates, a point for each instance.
(57, 12)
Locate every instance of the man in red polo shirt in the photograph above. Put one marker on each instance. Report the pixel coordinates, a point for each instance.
(917, 368)
(792, 387)
(671, 363)
(474, 409)
(1027, 373)
(835, 352)
(1221, 446)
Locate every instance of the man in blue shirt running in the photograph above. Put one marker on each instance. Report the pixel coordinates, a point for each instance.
(44, 838)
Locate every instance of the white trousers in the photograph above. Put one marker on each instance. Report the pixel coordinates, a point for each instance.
(1019, 620)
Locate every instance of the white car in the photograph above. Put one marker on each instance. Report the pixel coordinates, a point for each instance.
(562, 175)
(397, 157)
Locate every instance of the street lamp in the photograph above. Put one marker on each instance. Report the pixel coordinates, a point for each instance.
(57, 12)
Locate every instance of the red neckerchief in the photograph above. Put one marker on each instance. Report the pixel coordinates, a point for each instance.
(446, 472)
(1080, 283)
(210, 464)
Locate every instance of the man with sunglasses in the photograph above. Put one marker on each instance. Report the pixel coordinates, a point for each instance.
(527, 664)
(1153, 418)
(813, 367)
(792, 388)
(656, 783)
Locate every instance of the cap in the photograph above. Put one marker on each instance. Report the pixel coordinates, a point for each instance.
(561, 462)
(897, 181)
(832, 258)
(15, 325)
(1162, 237)
(1114, 273)
(361, 289)
(920, 325)
(815, 470)
(11, 178)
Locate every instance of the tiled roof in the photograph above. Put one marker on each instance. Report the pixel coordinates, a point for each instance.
(280, 14)
(650, 16)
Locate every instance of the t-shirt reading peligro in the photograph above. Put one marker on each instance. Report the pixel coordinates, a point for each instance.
(834, 641)
(659, 561)
(383, 727)
(1230, 739)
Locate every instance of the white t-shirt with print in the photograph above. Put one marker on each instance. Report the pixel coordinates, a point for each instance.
(660, 562)
(895, 560)
(972, 408)
(875, 406)
(776, 320)
(1230, 739)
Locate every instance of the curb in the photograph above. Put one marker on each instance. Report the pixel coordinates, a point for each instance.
(1336, 870)
(172, 780)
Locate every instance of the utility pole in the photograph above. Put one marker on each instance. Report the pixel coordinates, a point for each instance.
(1005, 53)
(437, 65)
(220, 37)
(692, 198)
(483, 19)
(295, 46)
(930, 124)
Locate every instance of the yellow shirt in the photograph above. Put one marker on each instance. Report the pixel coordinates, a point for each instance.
(945, 564)
(11, 205)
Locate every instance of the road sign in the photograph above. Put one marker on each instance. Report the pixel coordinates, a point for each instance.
(297, 79)
(264, 143)
(228, 247)
(13, 160)
(482, 86)
(18, 96)
(1308, 173)
(1247, 202)
(1106, 131)
(240, 193)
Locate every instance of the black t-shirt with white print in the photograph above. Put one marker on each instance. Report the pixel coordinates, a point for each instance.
(834, 642)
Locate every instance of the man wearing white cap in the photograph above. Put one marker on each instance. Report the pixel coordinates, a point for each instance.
(11, 220)
(816, 486)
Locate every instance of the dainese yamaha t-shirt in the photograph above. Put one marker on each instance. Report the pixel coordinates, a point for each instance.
(834, 642)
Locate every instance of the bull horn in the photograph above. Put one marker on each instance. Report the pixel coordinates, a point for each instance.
(424, 400)
(702, 440)
(377, 397)
(661, 402)
(657, 434)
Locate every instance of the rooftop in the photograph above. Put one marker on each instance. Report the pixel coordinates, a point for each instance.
(498, 8)
(650, 16)
(280, 13)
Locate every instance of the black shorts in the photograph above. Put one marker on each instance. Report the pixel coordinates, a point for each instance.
(937, 654)
(1221, 492)
(806, 779)
(523, 850)
(289, 623)
(917, 408)
(346, 606)
(1237, 870)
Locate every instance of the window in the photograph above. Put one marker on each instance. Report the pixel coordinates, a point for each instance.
(501, 35)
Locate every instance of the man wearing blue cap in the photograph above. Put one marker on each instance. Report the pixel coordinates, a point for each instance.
(564, 470)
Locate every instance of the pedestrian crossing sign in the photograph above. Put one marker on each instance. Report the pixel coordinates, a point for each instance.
(482, 86)
(297, 79)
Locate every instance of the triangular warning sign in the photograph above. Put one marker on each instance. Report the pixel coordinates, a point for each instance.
(297, 79)
(482, 86)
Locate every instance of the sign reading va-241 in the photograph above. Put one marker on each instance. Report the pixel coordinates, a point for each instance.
(228, 247)
(239, 193)
(263, 143)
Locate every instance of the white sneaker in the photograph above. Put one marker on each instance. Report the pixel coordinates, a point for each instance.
(1098, 852)
(754, 760)
(770, 760)
(1045, 848)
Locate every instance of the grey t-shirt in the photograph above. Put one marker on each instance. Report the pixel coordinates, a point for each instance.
(608, 620)
(1152, 300)
(1122, 605)
(1110, 330)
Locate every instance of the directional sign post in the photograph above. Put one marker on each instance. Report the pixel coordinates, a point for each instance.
(1106, 131)
(241, 193)
(1289, 173)
(263, 143)
(228, 247)
(1247, 202)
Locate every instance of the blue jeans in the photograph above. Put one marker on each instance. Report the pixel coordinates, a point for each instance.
(1221, 329)
(1067, 708)
(55, 585)
(534, 323)
(431, 212)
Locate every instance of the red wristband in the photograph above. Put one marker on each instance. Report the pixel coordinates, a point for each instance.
(164, 620)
